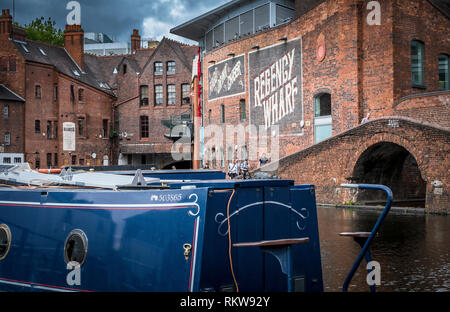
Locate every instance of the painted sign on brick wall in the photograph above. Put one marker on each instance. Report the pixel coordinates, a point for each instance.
(275, 80)
(226, 78)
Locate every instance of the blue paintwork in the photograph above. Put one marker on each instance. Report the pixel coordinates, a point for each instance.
(200, 174)
(141, 248)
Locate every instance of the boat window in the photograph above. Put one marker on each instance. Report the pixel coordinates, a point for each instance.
(5, 241)
(76, 246)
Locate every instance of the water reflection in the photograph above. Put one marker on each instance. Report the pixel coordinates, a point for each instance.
(413, 250)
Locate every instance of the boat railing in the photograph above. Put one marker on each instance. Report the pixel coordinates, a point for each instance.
(364, 239)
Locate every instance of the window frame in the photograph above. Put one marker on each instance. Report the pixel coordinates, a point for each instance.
(420, 60)
(143, 98)
(7, 138)
(321, 121)
(158, 64)
(171, 67)
(37, 91)
(159, 95)
(171, 95)
(446, 82)
(186, 92)
(144, 127)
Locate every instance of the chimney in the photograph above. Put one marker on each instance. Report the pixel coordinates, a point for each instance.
(135, 41)
(5, 24)
(74, 43)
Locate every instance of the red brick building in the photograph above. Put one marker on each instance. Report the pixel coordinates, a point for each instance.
(55, 85)
(153, 94)
(315, 69)
(123, 107)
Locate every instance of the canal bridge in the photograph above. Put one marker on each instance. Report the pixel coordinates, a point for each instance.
(410, 156)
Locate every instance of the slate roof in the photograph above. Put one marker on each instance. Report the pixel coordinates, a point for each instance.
(99, 70)
(442, 5)
(8, 95)
(59, 58)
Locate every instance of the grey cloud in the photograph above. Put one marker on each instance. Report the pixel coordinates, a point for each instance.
(116, 18)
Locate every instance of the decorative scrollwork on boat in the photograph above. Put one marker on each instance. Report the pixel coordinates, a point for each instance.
(222, 220)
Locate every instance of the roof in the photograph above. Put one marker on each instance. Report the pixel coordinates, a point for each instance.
(195, 29)
(442, 5)
(59, 58)
(8, 95)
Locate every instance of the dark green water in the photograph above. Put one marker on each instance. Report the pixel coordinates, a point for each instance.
(413, 250)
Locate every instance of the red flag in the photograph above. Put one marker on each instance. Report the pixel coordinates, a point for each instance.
(199, 91)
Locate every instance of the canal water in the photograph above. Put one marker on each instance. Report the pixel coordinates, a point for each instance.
(413, 250)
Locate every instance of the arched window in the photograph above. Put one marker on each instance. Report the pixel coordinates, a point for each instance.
(322, 117)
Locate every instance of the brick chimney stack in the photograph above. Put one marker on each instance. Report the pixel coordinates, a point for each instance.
(5, 24)
(135, 41)
(74, 43)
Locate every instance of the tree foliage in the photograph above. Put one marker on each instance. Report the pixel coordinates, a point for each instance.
(45, 31)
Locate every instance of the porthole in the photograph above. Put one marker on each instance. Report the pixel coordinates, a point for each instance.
(5, 241)
(76, 247)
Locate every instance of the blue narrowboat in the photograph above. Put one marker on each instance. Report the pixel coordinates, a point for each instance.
(90, 231)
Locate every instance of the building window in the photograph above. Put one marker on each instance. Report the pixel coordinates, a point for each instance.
(49, 160)
(143, 95)
(72, 93)
(55, 132)
(5, 111)
(185, 94)
(4, 63)
(17, 160)
(222, 158)
(37, 91)
(283, 14)
(170, 67)
(262, 17)
(7, 138)
(55, 92)
(219, 35)
(158, 95)
(322, 117)
(417, 56)
(6, 160)
(124, 69)
(232, 29)
(171, 94)
(74, 160)
(222, 113)
(81, 126)
(49, 130)
(158, 68)
(56, 160)
(80, 95)
(144, 126)
(12, 63)
(443, 72)
(37, 126)
(37, 161)
(242, 108)
(105, 128)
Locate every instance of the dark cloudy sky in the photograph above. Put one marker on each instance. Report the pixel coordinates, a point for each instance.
(116, 18)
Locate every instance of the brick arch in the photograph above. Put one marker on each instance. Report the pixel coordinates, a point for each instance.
(331, 162)
(389, 138)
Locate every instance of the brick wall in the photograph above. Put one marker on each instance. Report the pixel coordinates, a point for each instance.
(129, 110)
(366, 68)
(332, 162)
